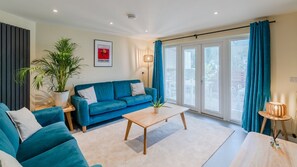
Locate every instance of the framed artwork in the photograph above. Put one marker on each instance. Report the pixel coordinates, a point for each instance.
(102, 53)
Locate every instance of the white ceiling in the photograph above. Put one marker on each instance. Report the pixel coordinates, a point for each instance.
(160, 17)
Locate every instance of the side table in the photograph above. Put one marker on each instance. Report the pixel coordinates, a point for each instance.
(67, 111)
(274, 119)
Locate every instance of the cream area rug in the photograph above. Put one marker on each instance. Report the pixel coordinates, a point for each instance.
(168, 144)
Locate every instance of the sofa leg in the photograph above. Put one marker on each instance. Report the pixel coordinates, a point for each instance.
(84, 129)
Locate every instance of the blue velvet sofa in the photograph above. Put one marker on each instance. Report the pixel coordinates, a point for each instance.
(51, 146)
(114, 99)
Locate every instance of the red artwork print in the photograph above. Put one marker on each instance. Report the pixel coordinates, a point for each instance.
(103, 54)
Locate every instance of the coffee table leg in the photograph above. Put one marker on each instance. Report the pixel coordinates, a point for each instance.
(69, 120)
(184, 120)
(144, 142)
(128, 129)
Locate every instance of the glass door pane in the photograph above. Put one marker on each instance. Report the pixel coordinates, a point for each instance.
(189, 64)
(239, 57)
(170, 73)
(211, 81)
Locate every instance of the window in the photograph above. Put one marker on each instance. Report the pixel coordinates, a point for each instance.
(208, 77)
(239, 57)
(212, 78)
(170, 73)
(189, 76)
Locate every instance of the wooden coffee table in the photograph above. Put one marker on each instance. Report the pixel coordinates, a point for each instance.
(146, 118)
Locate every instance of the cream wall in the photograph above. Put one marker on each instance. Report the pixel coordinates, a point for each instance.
(127, 53)
(284, 64)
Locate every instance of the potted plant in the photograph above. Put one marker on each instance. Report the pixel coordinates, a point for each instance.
(157, 105)
(55, 68)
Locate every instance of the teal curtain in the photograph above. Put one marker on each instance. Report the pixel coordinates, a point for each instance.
(257, 91)
(158, 81)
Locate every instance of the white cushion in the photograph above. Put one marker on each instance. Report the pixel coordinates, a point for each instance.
(25, 122)
(88, 94)
(7, 160)
(137, 89)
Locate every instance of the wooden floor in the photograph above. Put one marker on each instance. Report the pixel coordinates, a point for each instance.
(225, 154)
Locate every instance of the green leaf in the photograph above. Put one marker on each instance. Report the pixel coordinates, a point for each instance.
(55, 68)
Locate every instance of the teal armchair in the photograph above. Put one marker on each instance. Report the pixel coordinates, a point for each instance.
(52, 145)
(49, 116)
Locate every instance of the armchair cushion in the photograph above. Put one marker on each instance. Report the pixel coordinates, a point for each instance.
(8, 128)
(66, 154)
(5, 144)
(43, 140)
(8, 160)
(106, 106)
(49, 115)
(25, 122)
(135, 100)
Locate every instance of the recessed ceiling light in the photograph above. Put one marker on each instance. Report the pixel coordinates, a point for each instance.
(131, 16)
(111, 23)
(55, 10)
(215, 13)
(146, 31)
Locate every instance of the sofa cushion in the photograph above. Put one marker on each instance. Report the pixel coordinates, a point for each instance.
(106, 106)
(7, 160)
(104, 91)
(123, 88)
(137, 89)
(88, 94)
(134, 100)
(8, 128)
(25, 122)
(5, 145)
(66, 154)
(43, 140)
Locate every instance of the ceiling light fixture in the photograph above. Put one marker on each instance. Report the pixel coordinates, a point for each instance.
(146, 31)
(55, 10)
(215, 13)
(111, 23)
(131, 16)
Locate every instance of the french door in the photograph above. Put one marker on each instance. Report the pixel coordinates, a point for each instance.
(208, 77)
(201, 78)
(211, 79)
(190, 57)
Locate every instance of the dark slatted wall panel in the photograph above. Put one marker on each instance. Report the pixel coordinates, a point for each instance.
(15, 54)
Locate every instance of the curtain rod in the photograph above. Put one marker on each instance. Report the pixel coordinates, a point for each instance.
(211, 32)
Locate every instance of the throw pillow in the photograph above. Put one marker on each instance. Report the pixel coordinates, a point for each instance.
(7, 160)
(137, 89)
(25, 122)
(88, 94)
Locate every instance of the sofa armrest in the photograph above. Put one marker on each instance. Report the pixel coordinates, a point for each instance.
(82, 110)
(49, 116)
(152, 92)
